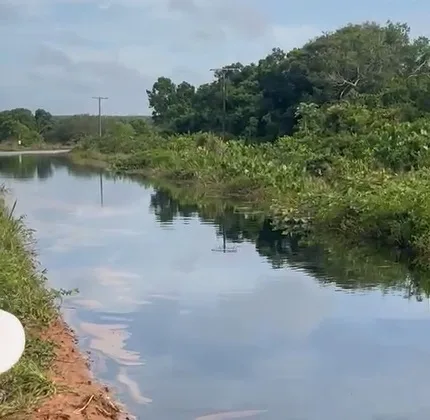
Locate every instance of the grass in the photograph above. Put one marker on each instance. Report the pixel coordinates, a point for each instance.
(95, 159)
(23, 292)
(233, 189)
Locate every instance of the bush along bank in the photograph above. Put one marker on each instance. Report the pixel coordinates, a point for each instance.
(52, 379)
(360, 171)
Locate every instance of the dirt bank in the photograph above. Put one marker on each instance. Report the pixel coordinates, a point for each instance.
(78, 396)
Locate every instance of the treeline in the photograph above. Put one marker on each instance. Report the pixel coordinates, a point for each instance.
(368, 64)
(30, 128)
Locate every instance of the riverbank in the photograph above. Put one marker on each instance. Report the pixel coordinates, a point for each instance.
(160, 174)
(52, 380)
(307, 186)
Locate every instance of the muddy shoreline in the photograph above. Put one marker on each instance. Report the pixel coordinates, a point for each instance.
(79, 395)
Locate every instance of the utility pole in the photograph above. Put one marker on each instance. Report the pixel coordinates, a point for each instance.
(224, 249)
(223, 72)
(101, 188)
(100, 98)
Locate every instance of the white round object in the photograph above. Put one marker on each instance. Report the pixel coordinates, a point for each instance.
(12, 340)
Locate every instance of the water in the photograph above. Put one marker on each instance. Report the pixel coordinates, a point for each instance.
(267, 330)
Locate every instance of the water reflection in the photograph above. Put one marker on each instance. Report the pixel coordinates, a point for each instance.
(358, 268)
(109, 339)
(28, 167)
(352, 268)
(276, 330)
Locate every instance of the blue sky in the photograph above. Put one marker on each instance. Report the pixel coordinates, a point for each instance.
(57, 54)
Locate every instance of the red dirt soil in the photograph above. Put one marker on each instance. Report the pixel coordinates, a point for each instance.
(79, 397)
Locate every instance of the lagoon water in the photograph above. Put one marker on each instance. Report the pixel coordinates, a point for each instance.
(200, 312)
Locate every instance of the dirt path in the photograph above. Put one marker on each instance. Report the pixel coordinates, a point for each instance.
(78, 396)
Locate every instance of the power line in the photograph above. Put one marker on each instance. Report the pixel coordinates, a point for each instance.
(223, 71)
(100, 98)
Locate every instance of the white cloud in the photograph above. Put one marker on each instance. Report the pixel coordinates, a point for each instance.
(58, 53)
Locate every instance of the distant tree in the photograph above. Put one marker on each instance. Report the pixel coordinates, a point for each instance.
(162, 97)
(71, 128)
(44, 121)
(140, 126)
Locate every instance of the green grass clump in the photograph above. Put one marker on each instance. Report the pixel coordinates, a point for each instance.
(23, 292)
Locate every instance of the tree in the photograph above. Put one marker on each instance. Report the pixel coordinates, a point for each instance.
(23, 116)
(360, 62)
(18, 124)
(69, 129)
(161, 98)
(44, 121)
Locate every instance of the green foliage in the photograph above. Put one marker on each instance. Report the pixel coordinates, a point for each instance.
(44, 121)
(262, 99)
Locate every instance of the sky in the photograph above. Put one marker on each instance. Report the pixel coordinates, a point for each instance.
(57, 54)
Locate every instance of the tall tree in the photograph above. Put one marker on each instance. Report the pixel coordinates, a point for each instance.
(44, 121)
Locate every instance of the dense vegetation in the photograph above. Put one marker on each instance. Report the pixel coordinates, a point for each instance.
(369, 65)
